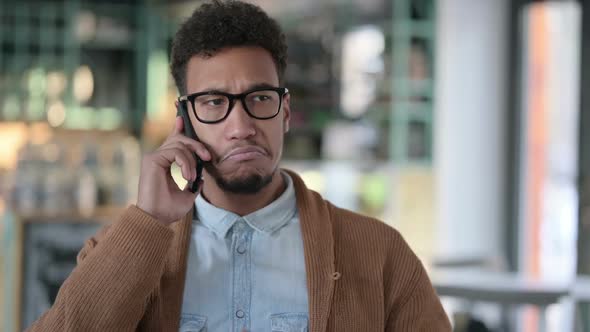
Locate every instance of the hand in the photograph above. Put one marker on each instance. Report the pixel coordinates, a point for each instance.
(158, 193)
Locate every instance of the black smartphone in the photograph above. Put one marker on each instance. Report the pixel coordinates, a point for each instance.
(182, 111)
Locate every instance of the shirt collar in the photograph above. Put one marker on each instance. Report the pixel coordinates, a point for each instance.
(267, 220)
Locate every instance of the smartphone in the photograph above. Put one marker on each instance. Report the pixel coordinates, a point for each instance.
(188, 131)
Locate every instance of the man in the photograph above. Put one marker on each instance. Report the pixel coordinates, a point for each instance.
(259, 251)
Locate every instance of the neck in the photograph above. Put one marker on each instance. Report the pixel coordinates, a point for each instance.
(242, 204)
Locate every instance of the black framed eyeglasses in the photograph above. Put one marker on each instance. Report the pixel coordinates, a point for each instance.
(215, 106)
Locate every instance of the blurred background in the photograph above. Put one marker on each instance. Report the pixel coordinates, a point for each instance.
(459, 122)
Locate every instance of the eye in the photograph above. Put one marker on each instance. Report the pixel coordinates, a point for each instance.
(213, 102)
(261, 98)
(216, 102)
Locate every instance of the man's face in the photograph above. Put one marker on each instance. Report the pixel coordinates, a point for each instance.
(245, 151)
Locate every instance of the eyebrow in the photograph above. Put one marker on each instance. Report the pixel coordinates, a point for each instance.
(260, 85)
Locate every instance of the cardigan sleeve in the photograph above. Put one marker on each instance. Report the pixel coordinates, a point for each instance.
(421, 310)
(117, 270)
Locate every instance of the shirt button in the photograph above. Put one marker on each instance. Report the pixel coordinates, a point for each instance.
(241, 250)
(240, 314)
(240, 226)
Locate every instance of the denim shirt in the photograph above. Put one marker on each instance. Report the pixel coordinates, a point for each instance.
(246, 273)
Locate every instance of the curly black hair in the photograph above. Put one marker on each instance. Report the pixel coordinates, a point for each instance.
(220, 24)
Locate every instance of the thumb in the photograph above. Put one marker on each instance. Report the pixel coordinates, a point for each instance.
(189, 197)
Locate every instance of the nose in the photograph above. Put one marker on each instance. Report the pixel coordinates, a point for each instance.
(239, 125)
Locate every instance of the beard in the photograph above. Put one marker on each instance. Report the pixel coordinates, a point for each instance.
(246, 185)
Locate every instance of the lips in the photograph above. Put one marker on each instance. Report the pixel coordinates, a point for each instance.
(245, 153)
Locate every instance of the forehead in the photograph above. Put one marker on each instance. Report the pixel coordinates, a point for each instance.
(231, 69)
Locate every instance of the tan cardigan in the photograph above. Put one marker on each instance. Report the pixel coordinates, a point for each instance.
(361, 275)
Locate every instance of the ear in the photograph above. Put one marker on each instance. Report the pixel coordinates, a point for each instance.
(286, 112)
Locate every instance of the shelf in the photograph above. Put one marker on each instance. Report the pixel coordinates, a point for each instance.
(105, 214)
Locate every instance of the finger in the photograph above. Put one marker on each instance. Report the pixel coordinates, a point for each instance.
(165, 157)
(185, 169)
(187, 188)
(189, 164)
(199, 148)
(182, 163)
(186, 151)
(178, 126)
